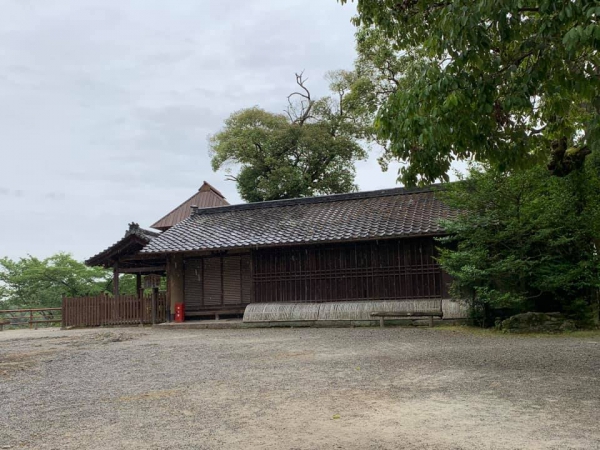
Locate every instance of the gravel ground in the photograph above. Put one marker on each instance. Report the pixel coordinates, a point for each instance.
(344, 388)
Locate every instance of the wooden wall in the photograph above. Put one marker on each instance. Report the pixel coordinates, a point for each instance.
(377, 270)
(217, 282)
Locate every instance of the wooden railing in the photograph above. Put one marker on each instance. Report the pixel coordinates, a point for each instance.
(32, 317)
(108, 310)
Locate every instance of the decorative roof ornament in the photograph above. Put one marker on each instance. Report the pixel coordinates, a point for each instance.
(134, 228)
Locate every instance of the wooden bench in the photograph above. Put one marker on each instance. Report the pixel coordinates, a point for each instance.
(4, 322)
(416, 314)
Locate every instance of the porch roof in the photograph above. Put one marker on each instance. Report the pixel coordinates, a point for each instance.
(134, 240)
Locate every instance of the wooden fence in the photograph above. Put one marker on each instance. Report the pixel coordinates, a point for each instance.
(32, 318)
(108, 310)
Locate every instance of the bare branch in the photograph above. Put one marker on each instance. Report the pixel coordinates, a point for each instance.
(523, 10)
(306, 104)
(288, 113)
(537, 130)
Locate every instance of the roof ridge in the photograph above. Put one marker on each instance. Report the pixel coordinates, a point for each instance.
(150, 232)
(320, 199)
(134, 228)
(214, 190)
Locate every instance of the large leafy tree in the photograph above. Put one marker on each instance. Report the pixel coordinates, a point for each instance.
(308, 150)
(525, 240)
(31, 282)
(507, 82)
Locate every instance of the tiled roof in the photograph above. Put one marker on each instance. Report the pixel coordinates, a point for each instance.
(135, 238)
(343, 217)
(206, 197)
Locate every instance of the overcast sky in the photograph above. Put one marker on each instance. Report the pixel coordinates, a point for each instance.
(106, 105)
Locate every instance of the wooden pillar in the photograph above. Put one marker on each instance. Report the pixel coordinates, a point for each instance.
(154, 302)
(116, 279)
(115, 305)
(174, 281)
(138, 284)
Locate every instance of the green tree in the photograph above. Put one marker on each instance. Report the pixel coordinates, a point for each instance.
(309, 150)
(379, 72)
(510, 83)
(32, 282)
(525, 241)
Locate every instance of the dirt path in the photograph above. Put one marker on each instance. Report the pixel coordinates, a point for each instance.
(297, 389)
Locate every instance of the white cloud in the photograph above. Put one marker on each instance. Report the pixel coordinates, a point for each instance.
(105, 105)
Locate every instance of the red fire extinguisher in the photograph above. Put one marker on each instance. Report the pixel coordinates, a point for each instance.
(179, 312)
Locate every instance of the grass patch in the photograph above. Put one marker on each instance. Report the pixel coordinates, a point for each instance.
(492, 332)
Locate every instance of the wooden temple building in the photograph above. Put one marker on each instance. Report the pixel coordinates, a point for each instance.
(326, 253)
(123, 257)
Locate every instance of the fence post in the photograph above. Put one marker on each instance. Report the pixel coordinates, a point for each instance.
(154, 301)
(141, 308)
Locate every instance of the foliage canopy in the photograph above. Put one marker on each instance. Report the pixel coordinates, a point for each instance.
(510, 83)
(32, 282)
(526, 240)
(309, 150)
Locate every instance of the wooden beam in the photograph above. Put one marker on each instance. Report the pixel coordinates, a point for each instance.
(116, 279)
(175, 287)
(154, 302)
(143, 269)
(138, 285)
(143, 256)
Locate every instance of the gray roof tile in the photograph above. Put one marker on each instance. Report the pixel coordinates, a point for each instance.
(357, 216)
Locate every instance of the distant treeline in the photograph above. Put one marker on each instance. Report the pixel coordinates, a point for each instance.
(31, 282)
